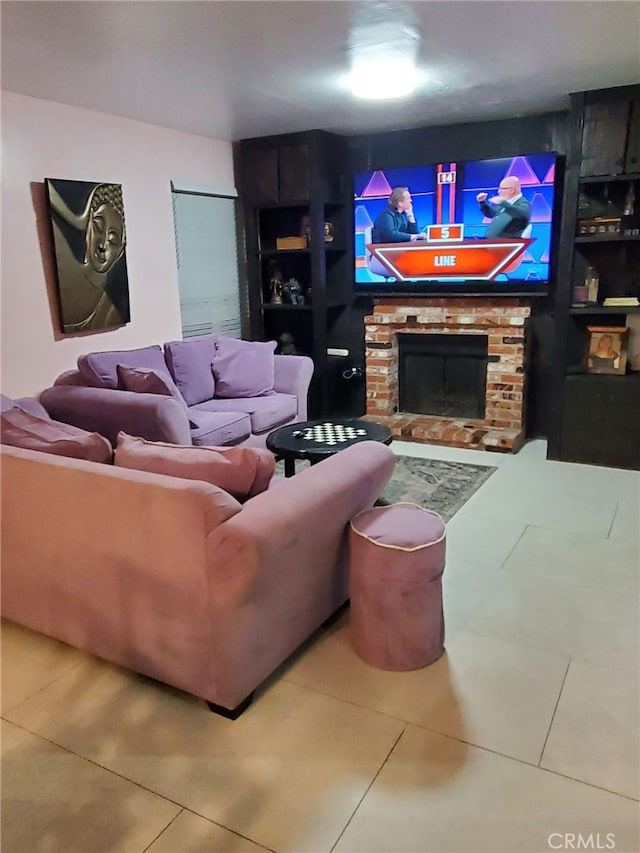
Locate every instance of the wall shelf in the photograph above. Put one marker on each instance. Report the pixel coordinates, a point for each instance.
(597, 416)
(604, 309)
(605, 179)
(608, 238)
(293, 184)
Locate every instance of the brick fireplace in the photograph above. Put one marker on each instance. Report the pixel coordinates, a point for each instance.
(501, 321)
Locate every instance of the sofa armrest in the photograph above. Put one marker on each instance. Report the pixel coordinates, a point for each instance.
(284, 561)
(107, 411)
(293, 376)
(72, 377)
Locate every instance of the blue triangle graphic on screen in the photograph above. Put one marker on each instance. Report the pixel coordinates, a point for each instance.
(545, 258)
(362, 219)
(550, 177)
(378, 185)
(540, 210)
(521, 169)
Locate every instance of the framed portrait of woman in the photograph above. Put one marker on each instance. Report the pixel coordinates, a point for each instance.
(89, 240)
(606, 350)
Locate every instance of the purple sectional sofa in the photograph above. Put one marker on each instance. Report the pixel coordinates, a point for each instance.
(211, 390)
(174, 578)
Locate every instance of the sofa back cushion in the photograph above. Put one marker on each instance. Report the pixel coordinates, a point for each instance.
(142, 380)
(20, 428)
(244, 368)
(241, 471)
(100, 369)
(28, 404)
(190, 365)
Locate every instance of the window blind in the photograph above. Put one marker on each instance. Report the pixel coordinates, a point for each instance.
(206, 249)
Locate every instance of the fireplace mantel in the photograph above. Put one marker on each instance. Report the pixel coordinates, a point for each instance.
(501, 320)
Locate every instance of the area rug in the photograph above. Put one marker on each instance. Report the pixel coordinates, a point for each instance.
(441, 486)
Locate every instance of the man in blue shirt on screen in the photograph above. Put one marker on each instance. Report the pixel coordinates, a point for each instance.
(509, 211)
(396, 223)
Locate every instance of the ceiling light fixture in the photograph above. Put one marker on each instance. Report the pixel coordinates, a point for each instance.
(383, 47)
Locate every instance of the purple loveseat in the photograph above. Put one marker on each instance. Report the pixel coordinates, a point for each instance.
(211, 390)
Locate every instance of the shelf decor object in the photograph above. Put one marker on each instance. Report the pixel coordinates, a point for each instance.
(290, 243)
(607, 349)
(599, 225)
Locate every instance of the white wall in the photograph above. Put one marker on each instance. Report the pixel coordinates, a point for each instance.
(42, 139)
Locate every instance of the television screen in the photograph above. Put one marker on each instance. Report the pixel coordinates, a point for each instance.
(482, 227)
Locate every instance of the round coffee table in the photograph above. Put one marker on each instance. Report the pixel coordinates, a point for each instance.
(315, 440)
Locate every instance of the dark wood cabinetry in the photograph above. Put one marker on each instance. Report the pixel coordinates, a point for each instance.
(295, 186)
(610, 143)
(597, 417)
(601, 420)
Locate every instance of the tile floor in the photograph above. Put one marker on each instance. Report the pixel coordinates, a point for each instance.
(523, 737)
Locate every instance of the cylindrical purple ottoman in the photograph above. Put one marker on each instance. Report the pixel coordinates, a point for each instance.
(397, 560)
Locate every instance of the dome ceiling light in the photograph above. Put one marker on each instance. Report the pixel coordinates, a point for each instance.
(383, 49)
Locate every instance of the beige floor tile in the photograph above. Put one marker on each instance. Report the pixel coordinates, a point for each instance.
(30, 661)
(595, 732)
(592, 481)
(605, 563)
(449, 454)
(547, 614)
(435, 795)
(481, 541)
(626, 523)
(190, 833)
(483, 691)
(287, 774)
(544, 507)
(56, 802)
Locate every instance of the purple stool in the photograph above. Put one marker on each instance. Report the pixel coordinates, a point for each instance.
(397, 561)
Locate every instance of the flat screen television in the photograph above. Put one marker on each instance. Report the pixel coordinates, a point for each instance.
(463, 248)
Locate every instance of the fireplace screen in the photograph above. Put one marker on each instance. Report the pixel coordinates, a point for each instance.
(443, 375)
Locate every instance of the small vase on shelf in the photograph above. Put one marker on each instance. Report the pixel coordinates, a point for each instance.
(630, 219)
(591, 283)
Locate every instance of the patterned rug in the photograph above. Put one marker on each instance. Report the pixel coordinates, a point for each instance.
(441, 486)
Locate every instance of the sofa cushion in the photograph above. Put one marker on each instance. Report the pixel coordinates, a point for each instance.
(266, 413)
(217, 428)
(145, 381)
(100, 369)
(27, 404)
(240, 471)
(20, 428)
(190, 365)
(243, 368)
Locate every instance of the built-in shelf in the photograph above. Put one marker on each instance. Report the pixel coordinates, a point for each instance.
(268, 306)
(268, 253)
(605, 179)
(605, 309)
(607, 238)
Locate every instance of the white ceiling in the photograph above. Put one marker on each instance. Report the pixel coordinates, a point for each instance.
(231, 69)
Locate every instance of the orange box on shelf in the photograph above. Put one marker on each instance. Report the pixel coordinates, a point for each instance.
(291, 243)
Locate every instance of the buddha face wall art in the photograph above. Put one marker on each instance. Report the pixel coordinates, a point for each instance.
(89, 238)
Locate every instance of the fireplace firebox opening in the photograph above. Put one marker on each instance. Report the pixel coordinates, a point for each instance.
(443, 375)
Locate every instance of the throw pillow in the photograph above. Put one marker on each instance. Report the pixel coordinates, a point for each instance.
(190, 365)
(143, 380)
(22, 429)
(241, 471)
(244, 368)
(100, 368)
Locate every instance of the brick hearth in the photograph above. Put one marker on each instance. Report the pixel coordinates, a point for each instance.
(501, 320)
